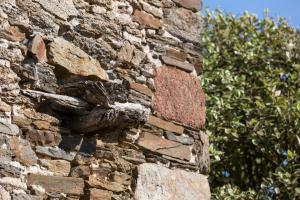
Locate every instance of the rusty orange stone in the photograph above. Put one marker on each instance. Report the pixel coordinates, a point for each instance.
(14, 34)
(38, 48)
(179, 97)
(148, 20)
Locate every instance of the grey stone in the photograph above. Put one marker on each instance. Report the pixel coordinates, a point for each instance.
(21, 196)
(9, 170)
(4, 195)
(183, 24)
(157, 12)
(162, 146)
(60, 8)
(181, 139)
(181, 65)
(55, 153)
(13, 182)
(23, 151)
(201, 150)
(9, 129)
(155, 182)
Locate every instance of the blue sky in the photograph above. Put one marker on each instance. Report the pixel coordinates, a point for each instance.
(290, 9)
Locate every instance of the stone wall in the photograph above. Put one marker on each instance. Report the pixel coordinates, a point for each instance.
(100, 100)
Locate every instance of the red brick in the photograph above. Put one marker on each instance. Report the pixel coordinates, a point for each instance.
(179, 97)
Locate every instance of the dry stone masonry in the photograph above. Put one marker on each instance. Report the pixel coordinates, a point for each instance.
(100, 100)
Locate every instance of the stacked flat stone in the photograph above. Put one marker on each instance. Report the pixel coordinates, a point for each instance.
(100, 99)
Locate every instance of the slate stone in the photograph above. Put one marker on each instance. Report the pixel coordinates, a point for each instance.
(23, 151)
(201, 150)
(58, 167)
(9, 170)
(178, 55)
(39, 137)
(81, 171)
(71, 60)
(166, 125)
(147, 20)
(9, 129)
(166, 147)
(180, 139)
(141, 88)
(97, 194)
(160, 183)
(195, 5)
(104, 184)
(121, 178)
(183, 23)
(55, 153)
(57, 184)
(21, 196)
(181, 65)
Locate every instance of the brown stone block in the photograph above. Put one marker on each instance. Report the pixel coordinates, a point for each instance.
(166, 147)
(38, 48)
(58, 184)
(169, 126)
(149, 21)
(141, 88)
(97, 194)
(179, 97)
(178, 55)
(70, 59)
(103, 184)
(59, 167)
(181, 65)
(13, 33)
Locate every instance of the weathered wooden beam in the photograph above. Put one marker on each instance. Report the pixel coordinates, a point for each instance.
(119, 115)
(60, 103)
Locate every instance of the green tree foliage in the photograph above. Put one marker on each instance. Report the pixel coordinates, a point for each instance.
(252, 82)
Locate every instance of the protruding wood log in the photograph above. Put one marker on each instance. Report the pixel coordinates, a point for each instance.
(60, 103)
(120, 115)
(103, 93)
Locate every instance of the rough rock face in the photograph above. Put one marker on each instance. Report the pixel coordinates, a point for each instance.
(156, 182)
(99, 99)
(70, 59)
